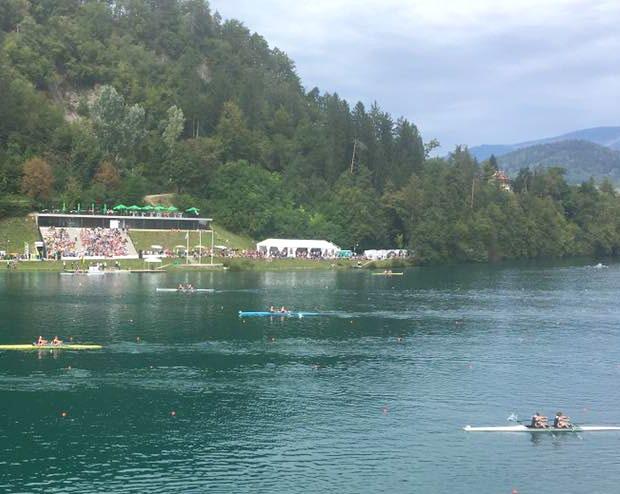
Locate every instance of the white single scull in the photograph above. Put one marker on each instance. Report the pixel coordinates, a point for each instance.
(525, 428)
(186, 290)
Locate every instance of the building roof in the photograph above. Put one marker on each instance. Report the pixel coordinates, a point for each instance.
(501, 176)
(121, 216)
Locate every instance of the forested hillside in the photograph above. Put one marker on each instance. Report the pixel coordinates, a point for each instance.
(106, 101)
(580, 159)
(608, 137)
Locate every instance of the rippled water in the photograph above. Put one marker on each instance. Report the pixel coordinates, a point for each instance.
(370, 398)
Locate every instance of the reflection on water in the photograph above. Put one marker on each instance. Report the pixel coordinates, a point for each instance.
(369, 397)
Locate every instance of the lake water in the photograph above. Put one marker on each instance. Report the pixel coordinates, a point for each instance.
(369, 398)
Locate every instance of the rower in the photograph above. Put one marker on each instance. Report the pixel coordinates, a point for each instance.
(283, 310)
(56, 341)
(561, 421)
(272, 308)
(42, 341)
(539, 421)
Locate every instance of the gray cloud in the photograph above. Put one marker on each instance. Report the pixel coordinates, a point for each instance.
(478, 71)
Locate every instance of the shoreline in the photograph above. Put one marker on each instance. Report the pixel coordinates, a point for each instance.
(137, 266)
(220, 264)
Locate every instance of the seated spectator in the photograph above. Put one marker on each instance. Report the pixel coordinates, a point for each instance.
(58, 242)
(103, 242)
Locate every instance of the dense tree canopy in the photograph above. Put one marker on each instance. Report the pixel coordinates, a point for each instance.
(108, 101)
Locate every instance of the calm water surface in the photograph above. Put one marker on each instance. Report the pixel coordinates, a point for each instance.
(370, 398)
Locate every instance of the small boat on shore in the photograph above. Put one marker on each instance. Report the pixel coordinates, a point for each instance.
(97, 270)
(62, 346)
(525, 428)
(388, 274)
(287, 313)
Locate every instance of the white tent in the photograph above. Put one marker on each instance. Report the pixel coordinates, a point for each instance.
(284, 247)
(377, 254)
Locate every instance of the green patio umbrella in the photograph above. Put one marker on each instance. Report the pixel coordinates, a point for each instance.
(172, 209)
(134, 208)
(193, 211)
(160, 208)
(148, 207)
(120, 207)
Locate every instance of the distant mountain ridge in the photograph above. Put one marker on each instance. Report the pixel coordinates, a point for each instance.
(603, 136)
(581, 159)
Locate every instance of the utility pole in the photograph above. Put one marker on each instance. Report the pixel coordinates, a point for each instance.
(353, 155)
(212, 243)
(187, 248)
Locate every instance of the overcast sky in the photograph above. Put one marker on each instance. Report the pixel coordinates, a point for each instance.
(464, 71)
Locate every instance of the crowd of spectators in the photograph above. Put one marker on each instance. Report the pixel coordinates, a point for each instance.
(59, 242)
(104, 242)
(248, 254)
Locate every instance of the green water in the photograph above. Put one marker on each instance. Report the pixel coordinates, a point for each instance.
(369, 398)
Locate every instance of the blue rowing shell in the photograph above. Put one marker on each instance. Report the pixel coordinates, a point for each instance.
(276, 314)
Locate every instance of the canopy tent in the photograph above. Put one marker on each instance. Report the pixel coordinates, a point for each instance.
(378, 254)
(180, 247)
(157, 247)
(283, 247)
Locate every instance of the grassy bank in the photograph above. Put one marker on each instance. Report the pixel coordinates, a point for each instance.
(58, 266)
(172, 239)
(170, 265)
(14, 232)
(236, 264)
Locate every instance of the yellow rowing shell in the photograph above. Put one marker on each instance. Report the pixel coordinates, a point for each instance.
(51, 347)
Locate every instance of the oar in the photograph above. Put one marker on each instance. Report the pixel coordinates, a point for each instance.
(515, 418)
